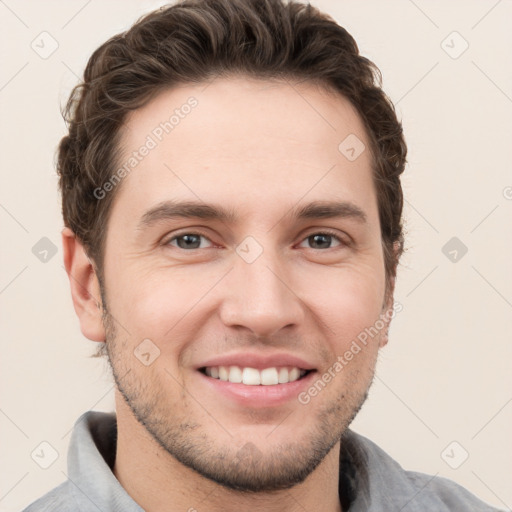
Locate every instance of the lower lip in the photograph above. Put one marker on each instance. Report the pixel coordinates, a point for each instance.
(259, 396)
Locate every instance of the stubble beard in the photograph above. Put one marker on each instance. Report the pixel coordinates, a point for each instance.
(246, 468)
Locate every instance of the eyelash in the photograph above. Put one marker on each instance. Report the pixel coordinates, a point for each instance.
(342, 242)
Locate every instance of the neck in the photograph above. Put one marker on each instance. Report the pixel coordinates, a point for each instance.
(158, 482)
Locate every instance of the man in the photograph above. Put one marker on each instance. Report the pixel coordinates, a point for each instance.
(231, 196)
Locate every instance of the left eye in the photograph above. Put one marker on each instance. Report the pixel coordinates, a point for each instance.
(193, 240)
(322, 239)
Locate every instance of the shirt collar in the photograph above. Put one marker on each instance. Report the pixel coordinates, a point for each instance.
(91, 459)
(92, 454)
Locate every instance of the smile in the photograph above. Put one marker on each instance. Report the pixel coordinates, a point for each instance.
(254, 377)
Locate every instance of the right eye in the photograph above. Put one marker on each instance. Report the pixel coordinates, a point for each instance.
(187, 241)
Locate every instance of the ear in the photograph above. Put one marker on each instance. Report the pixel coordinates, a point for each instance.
(387, 312)
(85, 287)
(388, 309)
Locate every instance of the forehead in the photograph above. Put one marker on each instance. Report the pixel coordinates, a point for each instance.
(246, 142)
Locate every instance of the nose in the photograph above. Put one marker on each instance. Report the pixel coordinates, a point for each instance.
(260, 296)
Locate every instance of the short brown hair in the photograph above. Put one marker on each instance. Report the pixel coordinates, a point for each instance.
(194, 41)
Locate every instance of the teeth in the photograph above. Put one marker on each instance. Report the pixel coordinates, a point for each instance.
(254, 377)
(294, 374)
(223, 373)
(269, 376)
(251, 376)
(235, 374)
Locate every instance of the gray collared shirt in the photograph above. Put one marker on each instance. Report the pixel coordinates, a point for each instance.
(370, 480)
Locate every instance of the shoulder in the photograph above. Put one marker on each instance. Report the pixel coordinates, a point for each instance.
(383, 484)
(58, 499)
(446, 493)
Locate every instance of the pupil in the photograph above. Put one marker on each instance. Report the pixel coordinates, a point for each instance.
(318, 240)
(188, 241)
(315, 238)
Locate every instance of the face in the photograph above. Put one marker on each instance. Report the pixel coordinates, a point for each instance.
(281, 272)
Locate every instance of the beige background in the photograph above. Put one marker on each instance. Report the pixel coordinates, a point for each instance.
(445, 375)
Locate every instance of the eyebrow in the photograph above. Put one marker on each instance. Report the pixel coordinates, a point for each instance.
(199, 210)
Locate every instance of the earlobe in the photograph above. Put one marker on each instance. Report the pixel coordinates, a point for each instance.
(85, 289)
(387, 312)
(384, 338)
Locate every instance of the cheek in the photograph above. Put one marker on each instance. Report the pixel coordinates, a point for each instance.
(165, 304)
(159, 305)
(346, 300)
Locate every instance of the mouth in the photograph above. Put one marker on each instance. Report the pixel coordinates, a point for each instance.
(248, 376)
(244, 387)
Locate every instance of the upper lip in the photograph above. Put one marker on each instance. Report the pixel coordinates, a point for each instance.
(258, 361)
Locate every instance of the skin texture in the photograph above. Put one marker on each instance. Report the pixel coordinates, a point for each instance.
(260, 149)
